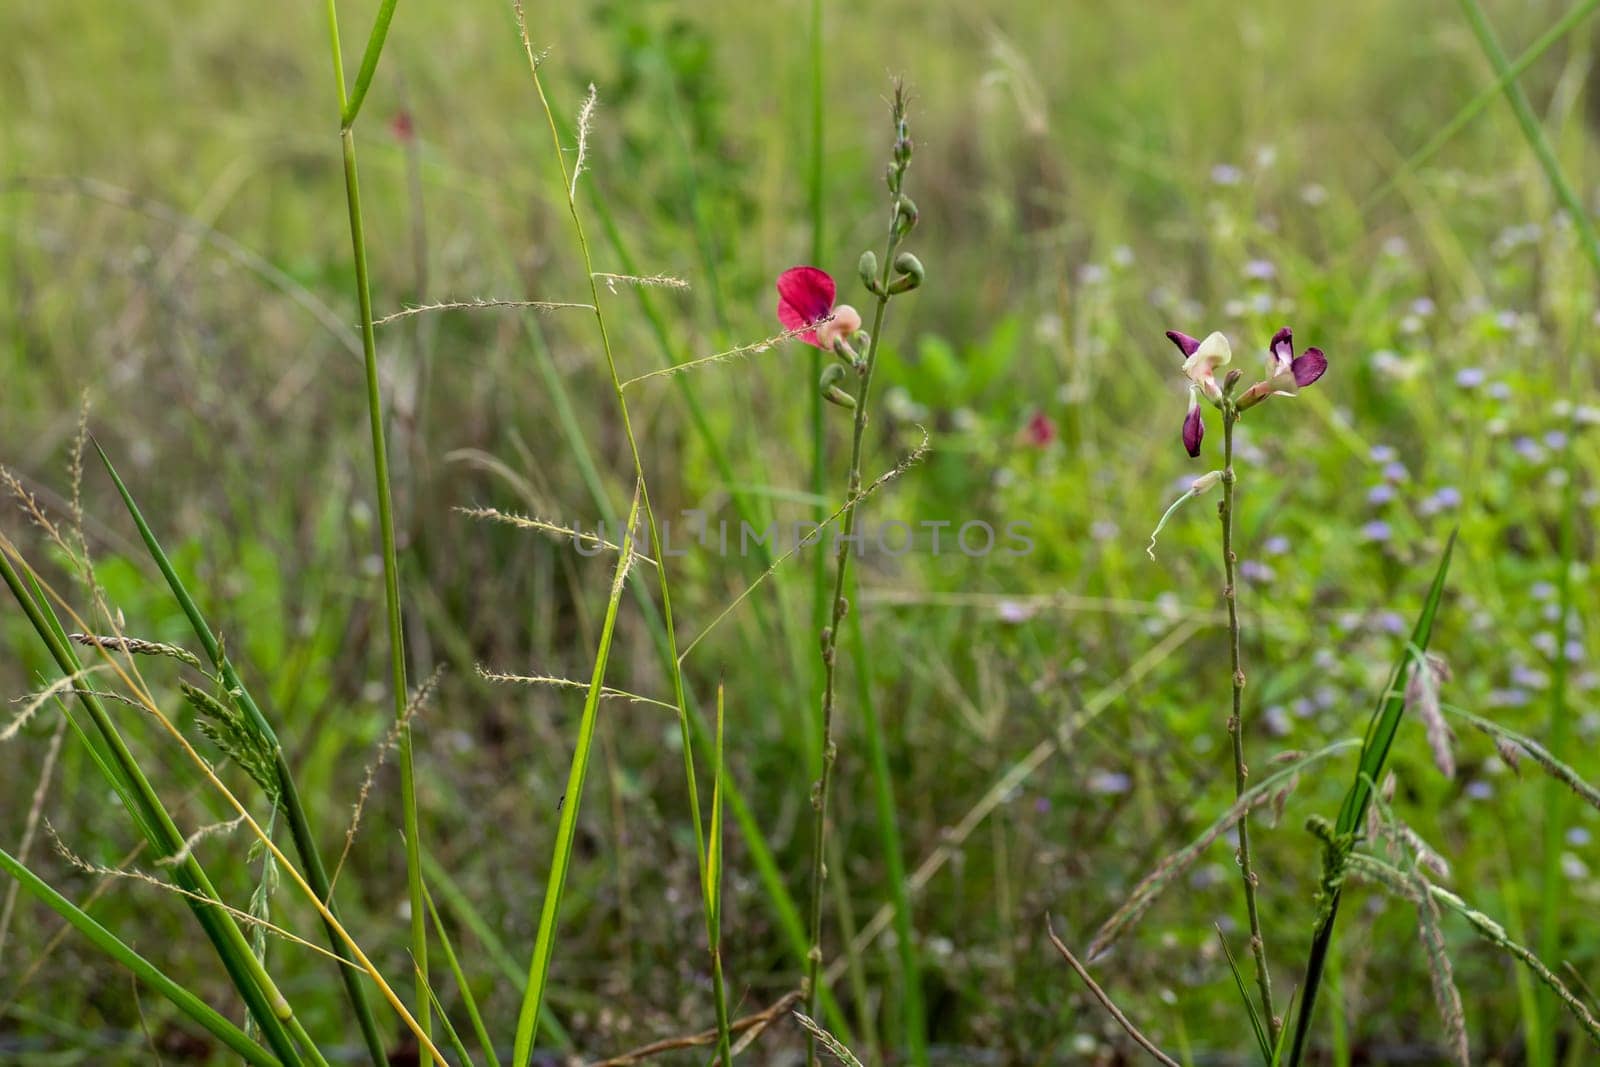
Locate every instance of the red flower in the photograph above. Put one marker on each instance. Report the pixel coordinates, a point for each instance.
(402, 127)
(1040, 431)
(805, 298)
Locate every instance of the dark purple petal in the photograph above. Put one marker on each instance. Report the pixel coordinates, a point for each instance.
(1185, 343)
(805, 296)
(1193, 430)
(1283, 345)
(1309, 367)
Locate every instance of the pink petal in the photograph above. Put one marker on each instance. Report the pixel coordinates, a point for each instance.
(805, 296)
(1309, 367)
(1194, 428)
(1186, 344)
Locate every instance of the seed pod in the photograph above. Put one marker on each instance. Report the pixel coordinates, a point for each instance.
(905, 216)
(911, 273)
(867, 267)
(832, 374)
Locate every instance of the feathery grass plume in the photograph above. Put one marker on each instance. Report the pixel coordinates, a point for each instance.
(1442, 975)
(525, 522)
(133, 874)
(585, 120)
(30, 827)
(827, 1040)
(391, 740)
(1373, 870)
(137, 646)
(1413, 855)
(479, 305)
(1174, 864)
(606, 693)
(31, 704)
(737, 352)
(649, 281)
(212, 830)
(229, 729)
(1513, 745)
(1422, 700)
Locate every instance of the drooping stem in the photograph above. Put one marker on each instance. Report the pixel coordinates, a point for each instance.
(1241, 772)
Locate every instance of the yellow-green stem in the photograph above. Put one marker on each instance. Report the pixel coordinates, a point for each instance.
(391, 567)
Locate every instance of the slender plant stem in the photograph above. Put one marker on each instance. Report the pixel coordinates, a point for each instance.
(1230, 593)
(380, 470)
(569, 182)
(830, 643)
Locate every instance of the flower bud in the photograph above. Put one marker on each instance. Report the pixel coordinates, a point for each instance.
(867, 267)
(832, 375)
(1231, 382)
(905, 216)
(911, 273)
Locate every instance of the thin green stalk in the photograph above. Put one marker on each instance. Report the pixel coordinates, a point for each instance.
(1241, 772)
(288, 793)
(1474, 107)
(462, 984)
(113, 946)
(567, 827)
(898, 226)
(819, 435)
(569, 181)
(348, 107)
(260, 994)
(714, 861)
(1589, 240)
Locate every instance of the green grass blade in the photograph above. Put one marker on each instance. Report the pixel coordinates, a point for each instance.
(450, 1030)
(1262, 1042)
(462, 984)
(1474, 107)
(255, 986)
(713, 883)
(288, 793)
(1589, 240)
(192, 1006)
(1374, 753)
(369, 63)
(572, 801)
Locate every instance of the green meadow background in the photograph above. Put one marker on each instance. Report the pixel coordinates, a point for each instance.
(174, 252)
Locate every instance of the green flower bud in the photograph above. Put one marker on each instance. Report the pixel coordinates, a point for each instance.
(905, 216)
(911, 273)
(867, 267)
(832, 375)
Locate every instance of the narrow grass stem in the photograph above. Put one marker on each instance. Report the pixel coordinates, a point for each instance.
(1241, 772)
(380, 470)
(680, 698)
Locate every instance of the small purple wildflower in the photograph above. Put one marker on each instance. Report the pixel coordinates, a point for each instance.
(1499, 391)
(1376, 530)
(1479, 790)
(1470, 377)
(1528, 449)
(1276, 545)
(1555, 440)
(1260, 270)
(1396, 471)
(1390, 622)
(1380, 494)
(1226, 174)
(1109, 783)
(1256, 572)
(1383, 454)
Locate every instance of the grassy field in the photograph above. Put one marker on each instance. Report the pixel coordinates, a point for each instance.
(1021, 730)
